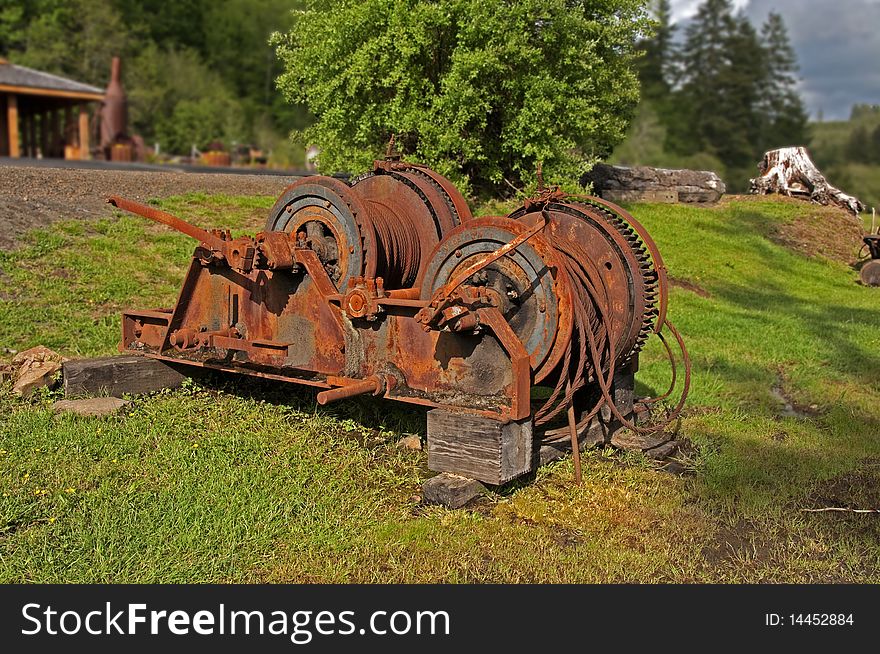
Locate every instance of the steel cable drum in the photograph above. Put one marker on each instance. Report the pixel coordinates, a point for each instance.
(335, 223)
(631, 273)
(533, 290)
(406, 227)
(411, 208)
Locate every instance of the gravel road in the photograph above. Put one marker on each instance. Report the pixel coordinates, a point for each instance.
(37, 196)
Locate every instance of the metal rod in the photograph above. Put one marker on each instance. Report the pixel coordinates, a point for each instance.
(343, 392)
(173, 222)
(468, 272)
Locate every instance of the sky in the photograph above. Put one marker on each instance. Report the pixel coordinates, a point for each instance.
(837, 44)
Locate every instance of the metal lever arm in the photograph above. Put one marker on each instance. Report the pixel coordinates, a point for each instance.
(212, 241)
(444, 293)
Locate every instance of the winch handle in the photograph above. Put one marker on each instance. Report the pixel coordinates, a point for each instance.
(212, 241)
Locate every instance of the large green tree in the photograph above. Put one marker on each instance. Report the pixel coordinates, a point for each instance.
(480, 89)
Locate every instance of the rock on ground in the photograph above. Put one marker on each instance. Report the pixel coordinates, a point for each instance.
(629, 440)
(410, 442)
(93, 406)
(451, 490)
(643, 183)
(35, 368)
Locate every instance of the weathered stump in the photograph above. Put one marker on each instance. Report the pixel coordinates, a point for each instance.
(791, 171)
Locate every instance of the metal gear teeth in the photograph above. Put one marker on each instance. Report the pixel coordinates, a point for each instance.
(442, 191)
(646, 267)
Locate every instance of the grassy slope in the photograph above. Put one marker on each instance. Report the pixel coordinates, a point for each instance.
(249, 482)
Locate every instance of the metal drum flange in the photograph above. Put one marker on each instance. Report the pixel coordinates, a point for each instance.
(533, 293)
(335, 223)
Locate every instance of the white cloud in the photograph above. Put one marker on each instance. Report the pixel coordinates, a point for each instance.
(684, 9)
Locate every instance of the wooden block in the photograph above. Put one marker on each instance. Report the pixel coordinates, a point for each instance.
(451, 490)
(623, 390)
(479, 448)
(116, 375)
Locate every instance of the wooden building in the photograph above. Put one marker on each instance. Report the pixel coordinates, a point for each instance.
(43, 114)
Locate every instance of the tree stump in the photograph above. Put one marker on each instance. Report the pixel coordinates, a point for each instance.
(790, 171)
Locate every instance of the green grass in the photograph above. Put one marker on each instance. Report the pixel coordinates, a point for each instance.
(243, 481)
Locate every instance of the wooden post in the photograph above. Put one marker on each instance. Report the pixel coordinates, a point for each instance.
(12, 125)
(23, 134)
(4, 132)
(83, 132)
(67, 134)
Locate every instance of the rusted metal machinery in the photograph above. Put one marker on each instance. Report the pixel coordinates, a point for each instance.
(870, 272)
(389, 286)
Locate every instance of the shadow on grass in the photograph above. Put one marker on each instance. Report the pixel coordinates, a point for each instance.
(371, 413)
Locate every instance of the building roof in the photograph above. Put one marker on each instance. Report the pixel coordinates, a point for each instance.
(20, 79)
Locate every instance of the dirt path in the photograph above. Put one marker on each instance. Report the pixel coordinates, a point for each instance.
(37, 196)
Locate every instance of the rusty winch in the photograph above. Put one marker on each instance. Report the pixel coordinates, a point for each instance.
(514, 330)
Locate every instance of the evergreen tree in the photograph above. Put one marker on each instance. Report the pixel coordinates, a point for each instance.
(740, 87)
(782, 105)
(738, 90)
(874, 146)
(857, 146)
(659, 51)
(702, 119)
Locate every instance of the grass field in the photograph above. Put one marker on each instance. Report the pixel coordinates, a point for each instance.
(237, 481)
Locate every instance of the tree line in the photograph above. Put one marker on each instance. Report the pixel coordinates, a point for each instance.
(480, 89)
(863, 145)
(718, 95)
(195, 70)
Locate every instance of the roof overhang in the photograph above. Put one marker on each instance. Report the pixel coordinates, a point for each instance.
(52, 93)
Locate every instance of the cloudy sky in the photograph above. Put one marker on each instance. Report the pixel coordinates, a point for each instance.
(837, 43)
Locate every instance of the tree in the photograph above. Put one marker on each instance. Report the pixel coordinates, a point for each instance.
(175, 98)
(737, 93)
(659, 53)
(77, 39)
(479, 89)
(782, 105)
(200, 51)
(741, 88)
(703, 115)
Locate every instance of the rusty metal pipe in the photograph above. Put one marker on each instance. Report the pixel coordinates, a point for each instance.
(173, 222)
(370, 385)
